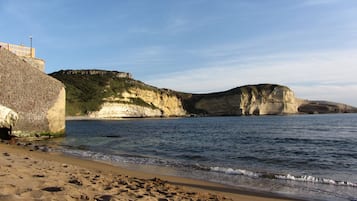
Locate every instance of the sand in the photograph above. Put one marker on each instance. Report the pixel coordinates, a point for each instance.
(28, 173)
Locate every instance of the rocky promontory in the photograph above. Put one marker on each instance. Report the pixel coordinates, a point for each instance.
(103, 94)
(262, 99)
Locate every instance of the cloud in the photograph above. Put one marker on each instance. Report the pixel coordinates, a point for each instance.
(318, 2)
(311, 75)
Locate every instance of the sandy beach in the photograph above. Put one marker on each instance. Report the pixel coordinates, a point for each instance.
(29, 173)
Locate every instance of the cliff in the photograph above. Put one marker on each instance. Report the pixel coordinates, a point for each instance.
(138, 102)
(38, 99)
(108, 94)
(104, 94)
(324, 107)
(262, 99)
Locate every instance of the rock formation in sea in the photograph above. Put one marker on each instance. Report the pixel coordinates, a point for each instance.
(37, 98)
(112, 94)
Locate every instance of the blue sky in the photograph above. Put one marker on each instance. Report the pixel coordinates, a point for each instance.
(198, 45)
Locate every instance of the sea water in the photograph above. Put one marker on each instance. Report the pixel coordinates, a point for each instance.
(311, 157)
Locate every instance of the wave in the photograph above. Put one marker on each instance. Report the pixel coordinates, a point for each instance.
(308, 178)
(122, 158)
(232, 171)
(303, 178)
(138, 159)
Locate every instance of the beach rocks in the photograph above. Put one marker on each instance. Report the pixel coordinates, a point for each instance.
(8, 117)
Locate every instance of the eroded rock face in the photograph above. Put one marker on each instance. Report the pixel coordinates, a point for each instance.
(150, 104)
(124, 110)
(325, 107)
(38, 98)
(262, 99)
(168, 104)
(275, 100)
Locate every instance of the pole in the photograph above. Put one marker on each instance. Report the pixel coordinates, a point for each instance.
(31, 46)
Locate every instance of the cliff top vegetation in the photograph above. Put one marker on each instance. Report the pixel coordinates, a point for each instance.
(86, 90)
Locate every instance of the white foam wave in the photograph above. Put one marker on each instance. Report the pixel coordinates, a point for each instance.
(235, 171)
(126, 159)
(308, 178)
(304, 178)
(229, 171)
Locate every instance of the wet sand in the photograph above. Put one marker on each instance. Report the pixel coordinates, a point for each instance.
(34, 174)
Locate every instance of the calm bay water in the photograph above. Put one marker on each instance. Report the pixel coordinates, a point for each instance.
(313, 157)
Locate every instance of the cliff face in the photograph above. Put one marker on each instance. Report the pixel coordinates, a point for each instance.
(104, 94)
(124, 110)
(156, 104)
(38, 99)
(261, 99)
(108, 94)
(324, 107)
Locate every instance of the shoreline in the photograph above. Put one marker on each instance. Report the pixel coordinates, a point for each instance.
(83, 117)
(72, 172)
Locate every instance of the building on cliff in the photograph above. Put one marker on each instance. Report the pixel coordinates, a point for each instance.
(37, 98)
(26, 53)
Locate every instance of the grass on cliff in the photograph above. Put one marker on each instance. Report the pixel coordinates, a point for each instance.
(85, 93)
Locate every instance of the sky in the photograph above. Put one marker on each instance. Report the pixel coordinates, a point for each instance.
(197, 46)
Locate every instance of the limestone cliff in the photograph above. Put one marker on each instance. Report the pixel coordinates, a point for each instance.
(37, 98)
(124, 110)
(156, 104)
(111, 94)
(263, 99)
(324, 107)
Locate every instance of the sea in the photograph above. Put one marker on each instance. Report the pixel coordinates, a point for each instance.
(307, 157)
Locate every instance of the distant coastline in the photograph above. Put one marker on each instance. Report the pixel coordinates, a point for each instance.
(100, 94)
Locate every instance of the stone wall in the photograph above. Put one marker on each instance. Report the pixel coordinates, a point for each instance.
(35, 62)
(19, 50)
(38, 98)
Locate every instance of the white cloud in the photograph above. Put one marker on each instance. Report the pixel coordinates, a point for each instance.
(311, 75)
(318, 2)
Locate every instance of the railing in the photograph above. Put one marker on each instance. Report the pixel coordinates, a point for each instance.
(19, 50)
